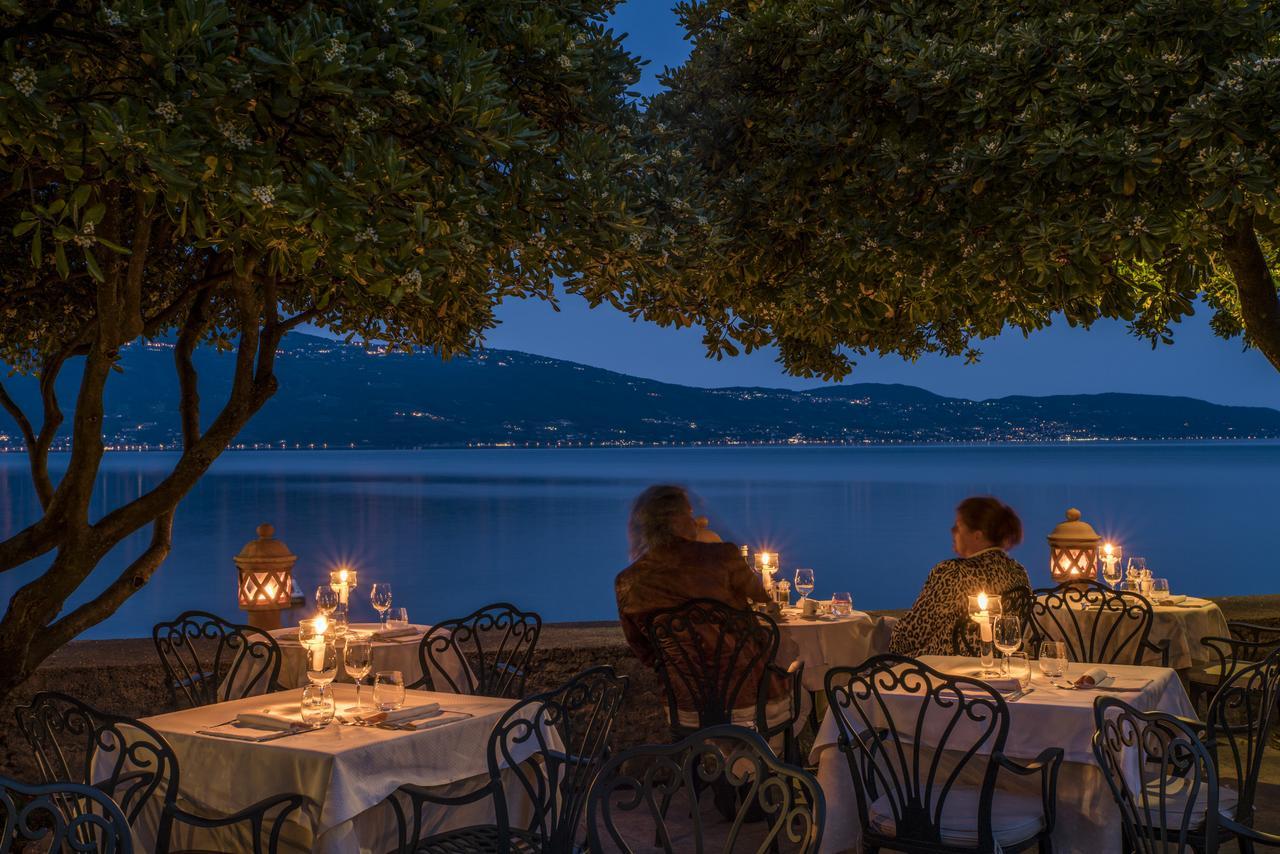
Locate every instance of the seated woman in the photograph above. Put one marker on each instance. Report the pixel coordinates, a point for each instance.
(673, 563)
(983, 530)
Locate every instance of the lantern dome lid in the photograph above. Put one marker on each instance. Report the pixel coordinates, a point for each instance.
(266, 547)
(1074, 529)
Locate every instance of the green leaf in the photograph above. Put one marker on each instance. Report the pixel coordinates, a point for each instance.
(60, 260)
(91, 263)
(23, 227)
(95, 214)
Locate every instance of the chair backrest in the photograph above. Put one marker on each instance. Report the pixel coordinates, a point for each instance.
(487, 652)
(646, 780)
(210, 660)
(61, 817)
(1015, 601)
(1242, 715)
(566, 732)
(1161, 775)
(1098, 624)
(123, 757)
(1248, 644)
(712, 659)
(909, 732)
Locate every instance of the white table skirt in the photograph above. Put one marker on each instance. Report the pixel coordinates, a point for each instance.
(345, 772)
(1088, 819)
(1182, 626)
(826, 643)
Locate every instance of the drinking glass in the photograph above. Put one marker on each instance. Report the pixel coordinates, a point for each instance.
(380, 596)
(317, 705)
(322, 661)
(1053, 658)
(1136, 567)
(326, 599)
(1112, 572)
(388, 690)
(804, 582)
(308, 630)
(1159, 589)
(338, 622)
(1008, 633)
(1144, 583)
(1019, 668)
(358, 661)
(398, 618)
(842, 604)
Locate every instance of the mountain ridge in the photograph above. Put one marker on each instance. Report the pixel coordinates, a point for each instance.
(340, 395)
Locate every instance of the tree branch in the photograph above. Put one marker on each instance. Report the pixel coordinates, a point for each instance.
(24, 424)
(1259, 303)
(132, 321)
(188, 379)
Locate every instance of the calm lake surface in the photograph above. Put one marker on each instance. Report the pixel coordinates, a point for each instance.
(546, 529)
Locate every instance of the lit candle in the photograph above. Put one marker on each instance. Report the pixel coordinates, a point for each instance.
(984, 621)
(343, 580)
(766, 565)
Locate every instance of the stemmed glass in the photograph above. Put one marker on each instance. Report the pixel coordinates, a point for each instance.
(804, 582)
(1008, 635)
(1112, 572)
(380, 596)
(1137, 566)
(326, 599)
(358, 660)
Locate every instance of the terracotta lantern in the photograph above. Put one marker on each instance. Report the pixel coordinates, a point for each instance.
(1073, 550)
(265, 566)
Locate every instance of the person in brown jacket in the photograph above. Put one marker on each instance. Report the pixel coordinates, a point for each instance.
(671, 565)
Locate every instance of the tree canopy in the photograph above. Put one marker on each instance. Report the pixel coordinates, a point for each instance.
(911, 176)
(217, 171)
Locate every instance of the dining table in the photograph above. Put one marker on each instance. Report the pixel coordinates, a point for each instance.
(823, 641)
(1088, 819)
(345, 772)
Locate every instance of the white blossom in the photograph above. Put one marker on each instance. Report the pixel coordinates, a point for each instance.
(636, 240)
(336, 51)
(481, 210)
(367, 236)
(114, 18)
(402, 96)
(167, 111)
(85, 237)
(410, 279)
(408, 45)
(234, 135)
(565, 62)
(24, 79)
(265, 195)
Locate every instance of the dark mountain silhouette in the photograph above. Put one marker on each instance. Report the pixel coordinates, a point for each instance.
(337, 395)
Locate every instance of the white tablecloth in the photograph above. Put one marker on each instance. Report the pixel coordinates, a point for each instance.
(345, 772)
(825, 643)
(395, 654)
(1088, 819)
(1182, 626)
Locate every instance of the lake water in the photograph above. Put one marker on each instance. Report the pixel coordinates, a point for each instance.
(545, 529)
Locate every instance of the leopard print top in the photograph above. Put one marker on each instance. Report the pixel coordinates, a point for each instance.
(928, 628)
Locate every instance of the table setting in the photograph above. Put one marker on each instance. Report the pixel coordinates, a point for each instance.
(1050, 704)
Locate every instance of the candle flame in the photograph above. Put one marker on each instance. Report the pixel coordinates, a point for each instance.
(982, 601)
(270, 590)
(1107, 548)
(342, 575)
(321, 624)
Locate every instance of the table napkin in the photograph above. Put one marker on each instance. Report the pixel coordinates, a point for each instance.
(274, 718)
(1097, 677)
(436, 719)
(390, 634)
(1003, 684)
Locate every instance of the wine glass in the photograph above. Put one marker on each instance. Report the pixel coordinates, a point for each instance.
(380, 596)
(358, 660)
(326, 599)
(1053, 658)
(388, 690)
(1137, 565)
(1112, 572)
(1008, 634)
(804, 582)
(322, 662)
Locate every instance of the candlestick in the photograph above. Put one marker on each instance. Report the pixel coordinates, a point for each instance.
(981, 609)
(344, 580)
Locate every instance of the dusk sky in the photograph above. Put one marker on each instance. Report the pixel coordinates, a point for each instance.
(1058, 360)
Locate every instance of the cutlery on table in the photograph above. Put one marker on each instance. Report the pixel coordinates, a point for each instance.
(256, 739)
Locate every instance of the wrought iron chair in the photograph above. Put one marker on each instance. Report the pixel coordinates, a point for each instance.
(925, 750)
(1099, 625)
(487, 652)
(1016, 601)
(716, 664)
(210, 660)
(133, 764)
(1242, 716)
(550, 747)
(1163, 775)
(1248, 644)
(647, 779)
(61, 817)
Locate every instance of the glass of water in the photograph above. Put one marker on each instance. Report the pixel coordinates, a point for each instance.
(388, 690)
(804, 582)
(1008, 634)
(842, 604)
(1053, 658)
(398, 618)
(1159, 589)
(322, 661)
(317, 705)
(1019, 668)
(358, 660)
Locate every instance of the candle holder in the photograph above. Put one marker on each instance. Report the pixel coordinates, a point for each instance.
(767, 564)
(1073, 550)
(982, 610)
(344, 580)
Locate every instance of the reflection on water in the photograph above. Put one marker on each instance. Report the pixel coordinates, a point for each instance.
(546, 529)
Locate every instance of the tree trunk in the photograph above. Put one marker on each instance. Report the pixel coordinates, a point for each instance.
(1259, 303)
